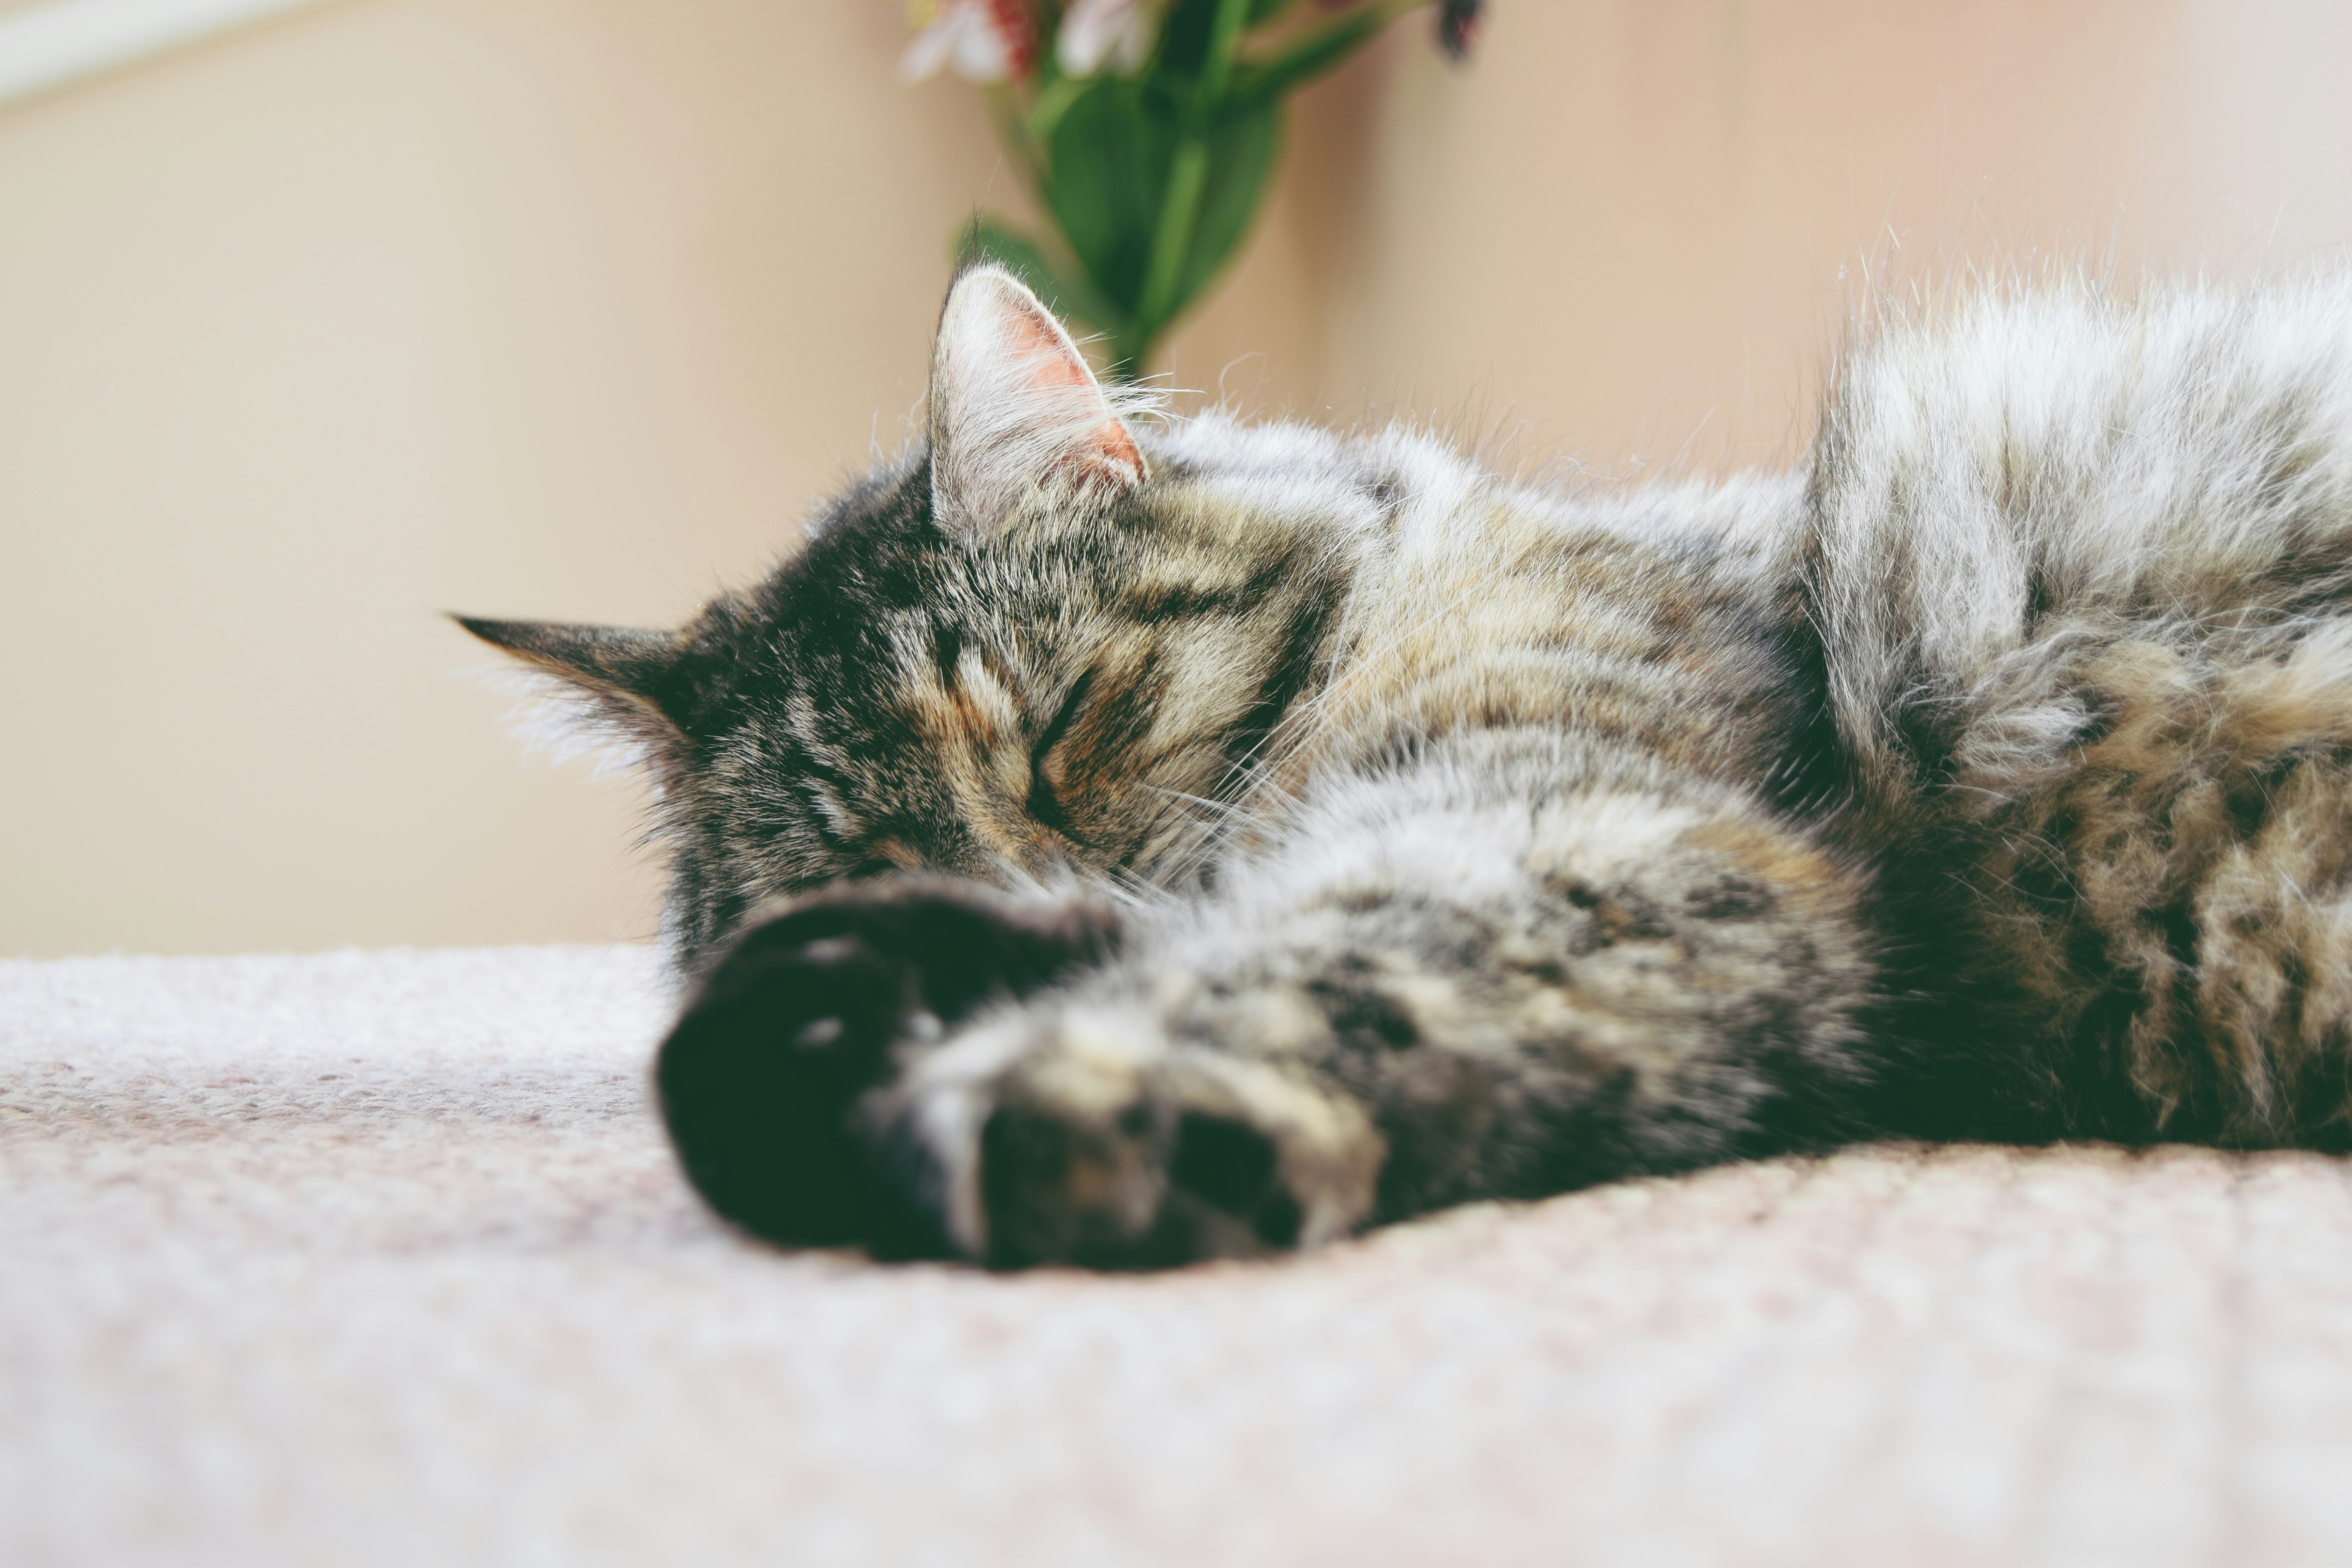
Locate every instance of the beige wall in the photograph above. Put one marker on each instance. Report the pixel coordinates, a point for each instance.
(1646, 219)
(570, 307)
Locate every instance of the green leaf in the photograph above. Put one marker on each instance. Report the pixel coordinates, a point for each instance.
(1257, 82)
(1241, 154)
(1109, 164)
(1056, 93)
(1260, 11)
(1068, 298)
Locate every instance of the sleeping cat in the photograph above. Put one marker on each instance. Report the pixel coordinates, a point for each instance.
(1117, 841)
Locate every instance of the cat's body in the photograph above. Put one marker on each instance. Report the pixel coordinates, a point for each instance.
(1120, 844)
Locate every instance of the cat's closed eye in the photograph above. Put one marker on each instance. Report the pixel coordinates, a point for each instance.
(1045, 776)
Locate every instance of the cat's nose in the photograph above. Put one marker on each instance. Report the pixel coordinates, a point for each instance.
(998, 844)
(1036, 851)
(1053, 852)
(1018, 858)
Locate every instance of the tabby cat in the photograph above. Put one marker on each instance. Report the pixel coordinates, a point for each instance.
(1118, 841)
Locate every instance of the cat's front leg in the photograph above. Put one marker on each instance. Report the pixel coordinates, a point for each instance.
(1427, 1001)
(1445, 996)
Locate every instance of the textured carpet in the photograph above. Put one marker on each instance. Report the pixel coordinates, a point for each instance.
(379, 1258)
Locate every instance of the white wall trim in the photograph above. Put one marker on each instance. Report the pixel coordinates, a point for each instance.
(45, 47)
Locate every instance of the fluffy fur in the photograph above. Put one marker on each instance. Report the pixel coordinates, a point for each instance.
(1122, 842)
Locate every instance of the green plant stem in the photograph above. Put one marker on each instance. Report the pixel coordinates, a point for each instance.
(1272, 76)
(1188, 173)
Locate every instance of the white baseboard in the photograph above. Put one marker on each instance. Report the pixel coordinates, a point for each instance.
(44, 47)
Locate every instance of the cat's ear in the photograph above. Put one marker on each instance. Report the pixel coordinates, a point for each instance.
(626, 682)
(1014, 410)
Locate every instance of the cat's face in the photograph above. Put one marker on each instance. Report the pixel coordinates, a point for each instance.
(1025, 650)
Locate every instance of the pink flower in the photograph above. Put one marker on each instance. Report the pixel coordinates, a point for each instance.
(1117, 32)
(980, 40)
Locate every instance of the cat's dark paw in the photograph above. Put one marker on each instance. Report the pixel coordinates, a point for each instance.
(1079, 1131)
(1161, 1185)
(813, 1006)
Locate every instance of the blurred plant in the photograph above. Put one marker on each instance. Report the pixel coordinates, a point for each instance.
(1148, 129)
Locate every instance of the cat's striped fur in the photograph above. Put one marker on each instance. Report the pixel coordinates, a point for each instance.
(1123, 841)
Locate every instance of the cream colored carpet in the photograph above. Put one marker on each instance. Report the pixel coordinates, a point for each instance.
(380, 1259)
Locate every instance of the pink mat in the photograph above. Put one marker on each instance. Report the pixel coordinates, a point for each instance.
(379, 1257)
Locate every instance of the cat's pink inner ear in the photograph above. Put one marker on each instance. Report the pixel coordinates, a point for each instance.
(1013, 406)
(1055, 367)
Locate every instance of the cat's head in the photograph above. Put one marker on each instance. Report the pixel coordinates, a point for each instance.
(1044, 639)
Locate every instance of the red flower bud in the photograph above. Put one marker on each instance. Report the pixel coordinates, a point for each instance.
(1016, 24)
